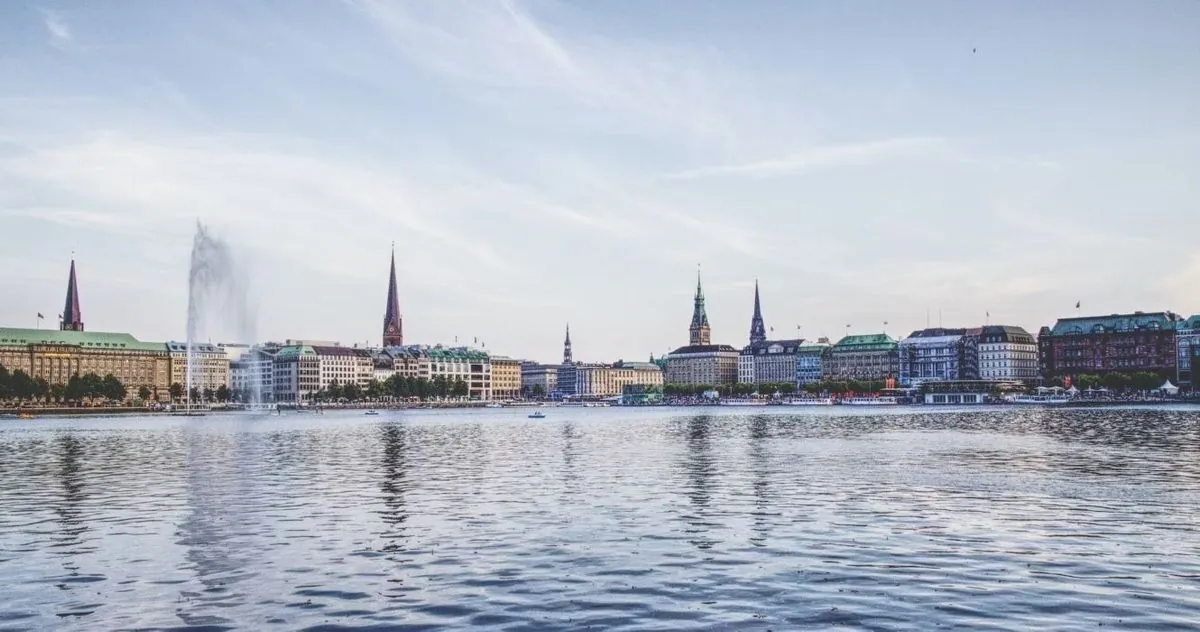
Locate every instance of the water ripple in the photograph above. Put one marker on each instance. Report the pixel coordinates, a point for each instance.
(605, 519)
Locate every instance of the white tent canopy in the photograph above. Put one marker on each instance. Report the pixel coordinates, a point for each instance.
(1169, 388)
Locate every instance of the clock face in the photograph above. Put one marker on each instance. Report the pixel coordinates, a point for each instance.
(391, 329)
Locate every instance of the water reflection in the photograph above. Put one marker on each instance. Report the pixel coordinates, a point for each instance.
(393, 485)
(760, 432)
(700, 467)
(69, 509)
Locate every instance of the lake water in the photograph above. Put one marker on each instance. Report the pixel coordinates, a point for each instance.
(725, 519)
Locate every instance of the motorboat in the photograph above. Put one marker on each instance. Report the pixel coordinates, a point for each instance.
(371, 413)
(537, 414)
(494, 405)
(1047, 400)
(743, 402)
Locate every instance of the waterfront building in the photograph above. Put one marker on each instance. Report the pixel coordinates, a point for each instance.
(565, 380)
(393, 324)
(535, 375)
(604, 380)
(700, 362)
(56, 355)
(506, 378)
(461, 363)
(1121, 343)
(1007, 353)
(411, 361)
(808, 362)
(210, 365)
(296, 374)
(303, 369)
(934, 355)
(1187, 346)
(254, 371)
(769, 362)
(861, 357)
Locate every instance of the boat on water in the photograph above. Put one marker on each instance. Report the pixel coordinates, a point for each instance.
(26, 416)
(371, 412)
(1042, 400)
(743, 402)
(808, 401)
(537, 414)
(494, 405)
(885, 400)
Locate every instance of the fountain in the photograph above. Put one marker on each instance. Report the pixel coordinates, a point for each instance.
(217, 304)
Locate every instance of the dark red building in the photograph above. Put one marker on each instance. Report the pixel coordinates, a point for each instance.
(1124, 343)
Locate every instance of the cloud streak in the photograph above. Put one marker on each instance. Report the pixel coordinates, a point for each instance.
(853, 154)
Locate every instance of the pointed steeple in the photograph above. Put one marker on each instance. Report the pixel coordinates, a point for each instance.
(393, 325)
(758, 331)
(698, 332)
(72, 316)
(568, 357)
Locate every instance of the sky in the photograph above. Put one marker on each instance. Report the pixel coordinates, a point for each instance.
(538, 163)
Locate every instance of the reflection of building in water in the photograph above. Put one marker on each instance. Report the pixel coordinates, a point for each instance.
(394, 485)
(700, 468)
(71, 522)
(759, 435)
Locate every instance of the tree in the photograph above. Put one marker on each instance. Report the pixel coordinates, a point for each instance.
(375, 390)
(460, 388)
(112, 389)
(5, 390)
(351, 392)
(144, 393)
(1085, 381)
(539, 391)
(222, 393)
(176, 391)
(787, 388)
(1145, 381)
(194, 394)
(1115, 381)
(208, 394)
(21, 385)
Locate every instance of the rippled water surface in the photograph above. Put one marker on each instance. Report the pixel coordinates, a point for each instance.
(605, 519)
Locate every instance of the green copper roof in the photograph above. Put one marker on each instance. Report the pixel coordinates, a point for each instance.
(294, 351)
(866, 342)
(456, 353)
(85, 339)
(1117, 322)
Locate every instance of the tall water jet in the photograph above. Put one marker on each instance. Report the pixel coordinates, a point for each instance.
(218, 302)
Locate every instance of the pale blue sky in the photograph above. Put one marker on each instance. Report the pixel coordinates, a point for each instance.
(545, 162)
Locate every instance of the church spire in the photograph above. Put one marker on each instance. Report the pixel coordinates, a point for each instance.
(393, 325)
(568, 357)
(698, 332)
(758, 331)
(72, 316)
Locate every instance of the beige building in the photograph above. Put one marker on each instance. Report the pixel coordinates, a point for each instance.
(539, 378)
(210, 365)
(611, 379)
(506, 378)
(56, 355)
(703, 364)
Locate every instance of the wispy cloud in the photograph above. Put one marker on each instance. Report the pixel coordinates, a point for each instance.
(60, 33)
(823, 156)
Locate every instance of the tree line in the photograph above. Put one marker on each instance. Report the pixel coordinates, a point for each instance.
(769, 389)
(1116, 381)
(19, 386)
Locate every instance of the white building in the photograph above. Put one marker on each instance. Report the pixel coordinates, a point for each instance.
(1008, 353)
(254, 371)
(301, 370)
(1187, 347)
(460, 363)
(769, 362)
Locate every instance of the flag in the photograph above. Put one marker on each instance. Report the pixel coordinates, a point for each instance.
(40, 317)
(1077, 304)
(772, 330)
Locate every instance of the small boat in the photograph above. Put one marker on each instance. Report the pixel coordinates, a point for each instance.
(537, 414)
(494, 405)
(25, 416)
(743, 402)
(371, 412)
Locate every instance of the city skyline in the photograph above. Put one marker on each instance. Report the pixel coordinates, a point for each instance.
(545, 163)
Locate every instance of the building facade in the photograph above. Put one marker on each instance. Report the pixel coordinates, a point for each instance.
(344, 365)
(701, 362)
(934, 355)
(539, 378)
(1008, 353)
(57, 355)
(506, 378)
(606, 380)
(296, 374)
(252, 374)
(1122, 343)
(808, 363)
(461, 363)
(1187, 347)
(769, 362)
(861, 357)
(210, 365)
